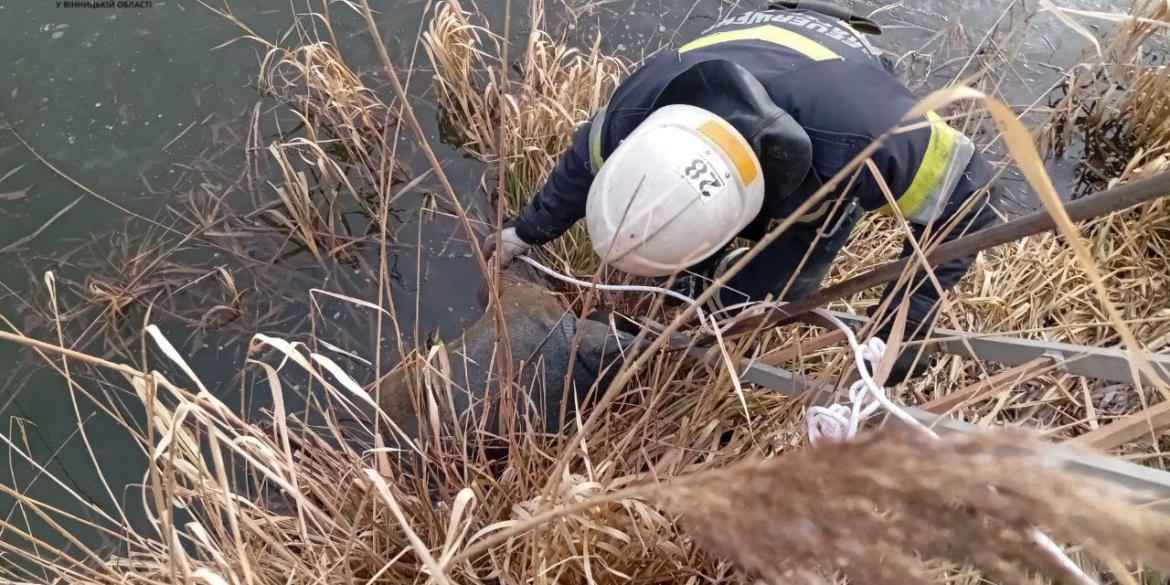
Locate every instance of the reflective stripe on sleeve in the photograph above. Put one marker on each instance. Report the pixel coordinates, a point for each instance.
(947, 156)
(816, 214)
(595, 158)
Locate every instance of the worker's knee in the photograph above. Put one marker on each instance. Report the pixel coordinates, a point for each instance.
(803, 285)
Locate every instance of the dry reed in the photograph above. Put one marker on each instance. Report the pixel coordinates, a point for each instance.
(1114, 105)
(300, 498)
(290, 500)
(527, 119)
(346, 151)
(963, 500)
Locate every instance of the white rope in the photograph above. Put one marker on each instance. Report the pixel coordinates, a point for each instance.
(700, 314)
(828, 422)
(839, 422)
(836, 422)
(619, 288)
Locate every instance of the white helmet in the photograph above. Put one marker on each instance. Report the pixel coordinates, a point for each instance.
(674, 192)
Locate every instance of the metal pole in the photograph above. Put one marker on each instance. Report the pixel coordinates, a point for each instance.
(1103, 363)
(1108, 201)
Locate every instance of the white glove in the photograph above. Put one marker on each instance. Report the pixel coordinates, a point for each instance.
(511, 246)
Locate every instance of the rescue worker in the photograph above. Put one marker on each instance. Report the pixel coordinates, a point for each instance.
(728, 135)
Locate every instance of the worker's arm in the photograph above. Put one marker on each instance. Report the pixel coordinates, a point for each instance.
(561, 201)
(970, 208)
(939, 183)
(940, 180)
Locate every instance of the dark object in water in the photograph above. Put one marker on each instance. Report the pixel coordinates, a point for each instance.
(462, 388)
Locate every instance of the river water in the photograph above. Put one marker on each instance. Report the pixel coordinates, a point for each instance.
(126, 101)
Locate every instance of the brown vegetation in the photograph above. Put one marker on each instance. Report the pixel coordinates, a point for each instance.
(313, 497)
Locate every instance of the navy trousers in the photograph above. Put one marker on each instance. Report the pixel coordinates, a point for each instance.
(793, 266)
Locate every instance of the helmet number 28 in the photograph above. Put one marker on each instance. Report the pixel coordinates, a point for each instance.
(707, 177)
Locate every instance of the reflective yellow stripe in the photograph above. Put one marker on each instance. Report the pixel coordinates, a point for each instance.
(932, 170)
(595, 158)
(772, 34)
(595, 154)
(814, 215)
(733, 147)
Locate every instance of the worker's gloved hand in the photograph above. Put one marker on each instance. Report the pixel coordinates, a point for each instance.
(510, 246)
(912, 360)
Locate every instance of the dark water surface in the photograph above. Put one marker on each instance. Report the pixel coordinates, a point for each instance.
(127, 101)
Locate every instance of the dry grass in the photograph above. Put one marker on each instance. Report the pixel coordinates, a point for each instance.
(1114, 105)
(297, 497)
(289, 500)
(346, 150)
(519, 115)
(1033, 288)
